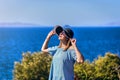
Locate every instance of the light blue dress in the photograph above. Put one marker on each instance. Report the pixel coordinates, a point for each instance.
(62, 66)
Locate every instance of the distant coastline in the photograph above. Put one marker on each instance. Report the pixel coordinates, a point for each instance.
(17, 24)
(20, 24)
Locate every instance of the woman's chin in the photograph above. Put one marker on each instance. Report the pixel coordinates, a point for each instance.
(60, 38)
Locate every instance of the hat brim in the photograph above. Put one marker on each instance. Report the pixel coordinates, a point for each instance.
(58, 30)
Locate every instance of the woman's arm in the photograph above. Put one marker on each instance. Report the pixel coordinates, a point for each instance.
(45, 44)
(80, 58)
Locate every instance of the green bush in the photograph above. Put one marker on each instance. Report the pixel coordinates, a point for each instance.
(32, 67)
(103, 68)
(36, 66)
(107, 67)
(84, 71)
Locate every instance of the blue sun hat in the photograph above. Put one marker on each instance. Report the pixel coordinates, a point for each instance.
(69, 33)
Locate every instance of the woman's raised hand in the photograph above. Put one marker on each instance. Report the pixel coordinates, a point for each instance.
(73, 42)
(51, 33)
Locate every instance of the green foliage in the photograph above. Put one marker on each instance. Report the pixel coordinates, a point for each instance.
(106, 67)
(36, 66)
(84, 71)
(33, 67)
(103, 68)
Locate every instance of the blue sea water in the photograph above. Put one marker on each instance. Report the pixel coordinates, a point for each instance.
(91, 41)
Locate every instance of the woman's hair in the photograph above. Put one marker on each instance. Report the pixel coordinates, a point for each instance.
(68, 45)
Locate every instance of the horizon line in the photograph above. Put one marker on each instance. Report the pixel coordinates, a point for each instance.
(20, 24)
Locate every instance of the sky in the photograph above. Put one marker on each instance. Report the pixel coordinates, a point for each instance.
(60, 12)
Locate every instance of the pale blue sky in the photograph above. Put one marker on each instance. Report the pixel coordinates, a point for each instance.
(52, 12)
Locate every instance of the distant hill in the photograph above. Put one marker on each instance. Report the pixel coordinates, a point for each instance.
(17, 24)
(114, 24)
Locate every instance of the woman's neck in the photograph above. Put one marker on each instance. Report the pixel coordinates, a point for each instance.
(64, 44)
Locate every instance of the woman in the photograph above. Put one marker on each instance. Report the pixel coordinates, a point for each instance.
(64, 55)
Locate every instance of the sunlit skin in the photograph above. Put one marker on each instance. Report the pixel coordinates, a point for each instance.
(62, 36)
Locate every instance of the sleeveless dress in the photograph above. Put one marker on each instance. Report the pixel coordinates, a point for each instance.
(62, 66)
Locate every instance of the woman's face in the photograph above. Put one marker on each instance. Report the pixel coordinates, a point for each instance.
(62, 36)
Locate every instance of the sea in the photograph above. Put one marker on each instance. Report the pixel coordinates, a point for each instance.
(91, 41)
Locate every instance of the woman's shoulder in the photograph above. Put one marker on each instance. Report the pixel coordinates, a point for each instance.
(53, 48)
(71, 48)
